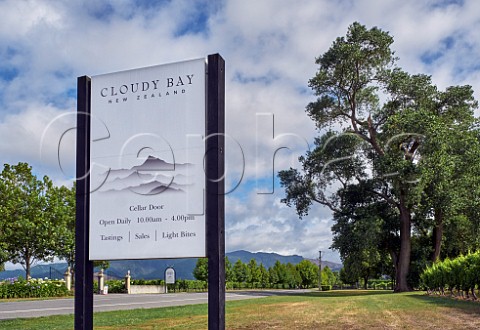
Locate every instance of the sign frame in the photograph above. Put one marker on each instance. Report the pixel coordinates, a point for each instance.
(214, 195)
(147, 177)
(167, 276)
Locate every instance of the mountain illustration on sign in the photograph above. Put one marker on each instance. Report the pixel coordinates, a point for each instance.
(152, 177)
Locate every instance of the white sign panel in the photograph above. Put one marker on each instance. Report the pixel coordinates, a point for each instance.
(170, 276)
(147, 178)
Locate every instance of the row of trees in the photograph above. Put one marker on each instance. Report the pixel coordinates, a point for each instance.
(396, 161)
(461, 274)
(37, 218)
(304, 274)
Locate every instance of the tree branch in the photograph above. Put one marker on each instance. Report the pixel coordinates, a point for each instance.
(387, 198)
(325, 203)
(373, 137)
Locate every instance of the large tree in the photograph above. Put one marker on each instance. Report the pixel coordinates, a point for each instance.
(60, 210)
(29, 234)
(308, 273)
(253, 274)
(365, 234)
(378, 118)
(240, 271)
(201, 269)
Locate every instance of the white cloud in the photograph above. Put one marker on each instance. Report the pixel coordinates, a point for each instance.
(20, 17)
(276, 228)
(269, 47)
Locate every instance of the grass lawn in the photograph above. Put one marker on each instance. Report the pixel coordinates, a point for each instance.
(317, 310)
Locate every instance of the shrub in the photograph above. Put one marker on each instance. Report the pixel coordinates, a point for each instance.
(461, 274)
(116, 286)
(326, 287)
(35, 288)
(147, 282)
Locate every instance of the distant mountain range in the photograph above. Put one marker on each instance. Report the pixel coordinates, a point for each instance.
(154, 269)
(152, 177)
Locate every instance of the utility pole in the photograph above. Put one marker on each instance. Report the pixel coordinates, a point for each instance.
(319, 270)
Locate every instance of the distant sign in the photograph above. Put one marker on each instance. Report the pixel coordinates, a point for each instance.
(147, 150)
(170, 275)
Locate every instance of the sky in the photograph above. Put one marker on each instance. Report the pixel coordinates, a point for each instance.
(269, 47)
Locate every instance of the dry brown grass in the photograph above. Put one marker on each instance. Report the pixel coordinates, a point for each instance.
(381, 311)
(349, 310)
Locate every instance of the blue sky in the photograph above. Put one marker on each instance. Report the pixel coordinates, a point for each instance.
(270, 48)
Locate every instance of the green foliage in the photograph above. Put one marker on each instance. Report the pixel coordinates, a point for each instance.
(187, 286)
(365, 235)
(200, 271)
(280, 276)
(294, 280)
(28, 233)
(116, 286)
(147, 282)
(34, 288)
(308, 272)
(264, 276)
(102, 264)
(347, 277)
(61, 210)
(403, 162)
(461, 274)
(378, 284)
(36, 217)
(228, 270)
(240, 271)
(328, 277)
(253, 272)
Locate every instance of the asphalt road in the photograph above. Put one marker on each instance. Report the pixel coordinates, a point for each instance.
(110, 302)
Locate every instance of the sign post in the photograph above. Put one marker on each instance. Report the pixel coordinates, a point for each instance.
(215, 209)
(83, 266)
(150, 172)
(169, 277)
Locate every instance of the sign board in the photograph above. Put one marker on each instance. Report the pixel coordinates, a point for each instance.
(146, 187)
(147, 148)
(170, 275)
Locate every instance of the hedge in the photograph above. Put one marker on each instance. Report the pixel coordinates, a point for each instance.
(34, 288)
(379, 284)
(461, 275)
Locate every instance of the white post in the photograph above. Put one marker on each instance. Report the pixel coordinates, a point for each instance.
(101, 281)
(127, 282)
(68, 278)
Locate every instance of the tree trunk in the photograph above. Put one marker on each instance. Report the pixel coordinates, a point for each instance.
(403, 265)
(28, 263)
(437, 234)
(27, 269)
(365, 285)
(394, 257)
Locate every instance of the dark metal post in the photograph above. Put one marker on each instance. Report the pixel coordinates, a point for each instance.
(215, 184)
(319, 270)
(83, 267)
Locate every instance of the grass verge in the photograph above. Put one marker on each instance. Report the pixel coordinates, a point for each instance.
(317, 310)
